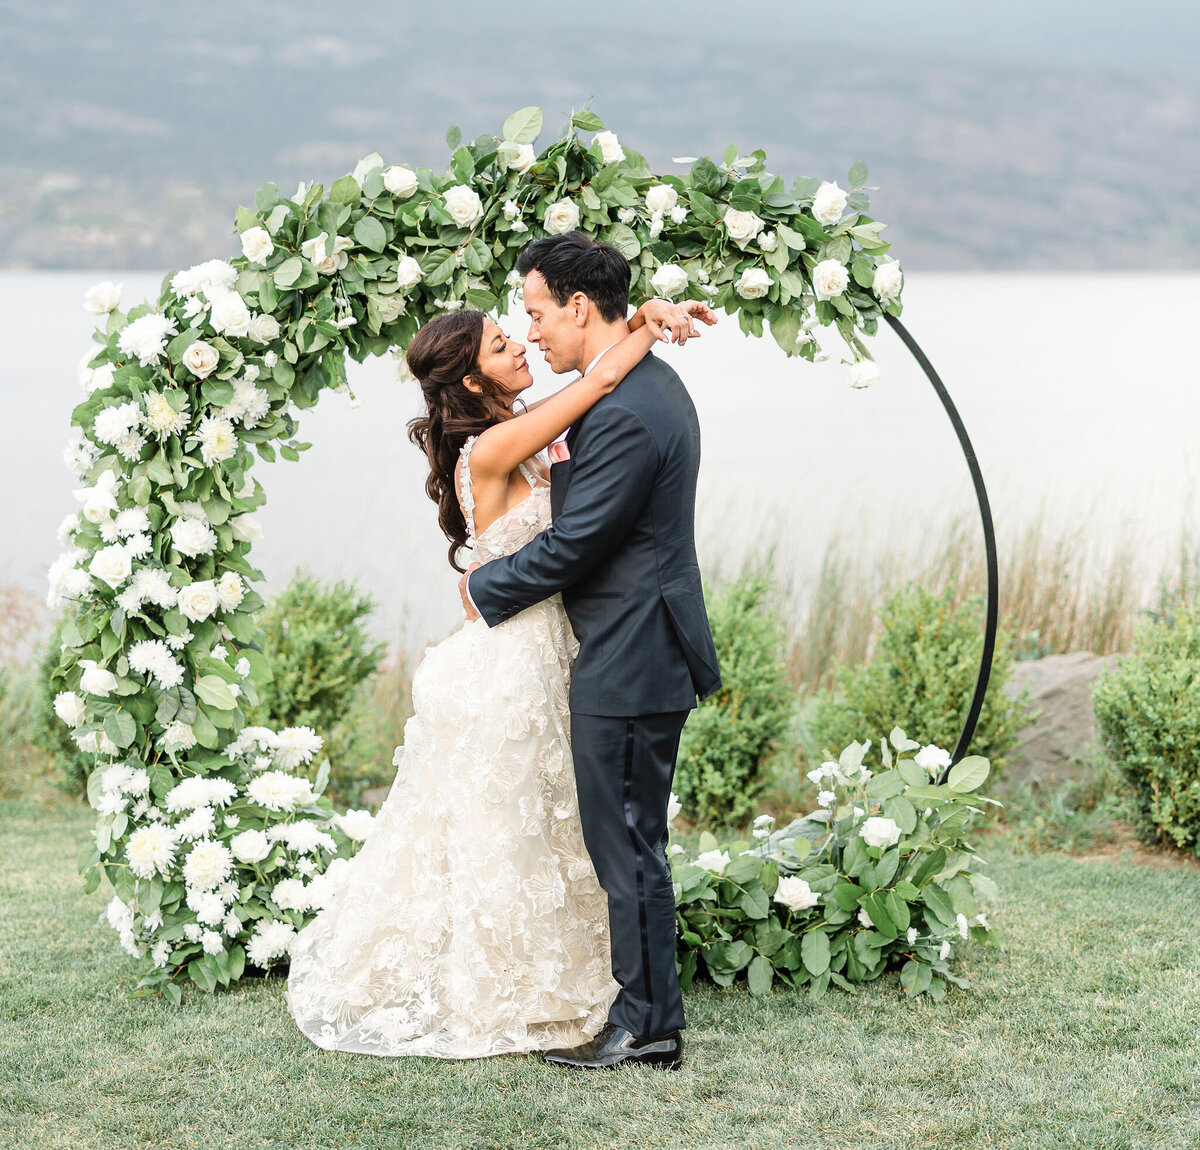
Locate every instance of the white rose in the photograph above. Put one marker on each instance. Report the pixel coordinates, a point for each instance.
(246, 529)
(670, 280)
(70, 707)
(768, 241)
(661, 198)
(753, 283)
(263, 328)
(610, 147)
(201, 359)
(715, 861)
(199, 600)
(191, 537)
(795, 894)
(257, 245)
(931, 758)
(326, 263)
(464, 205)
(230, 315)
(111, 565)
(391, 307)
(357, 824)
(829, 278)
(674, 806)
(102, 298)
(561, 216)
(408, 273)
(230, 591)
(879, 832)
(862, 374)
(829, 203)
(96, 680)
(964, 927)
(742, 226)
(250, 846)
(400, 181)
(523, 160)
(888, 281)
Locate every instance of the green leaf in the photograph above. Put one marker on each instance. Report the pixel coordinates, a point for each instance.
(858, 174)
(968, 774)
(523, 126)
(760, 974)
(625, 240)
(453, 137)
(215, 692)
(437, 266)
(915, 977)
(707, 177)
(476, 256)
(938, 901)
(121, 727)
(585, 122)
(885, 784)
(877, 909)
(345, 191)
(814, 952)
(785, 327)
(902, 812)
(754, 902)
(371, 233)
(288, 272)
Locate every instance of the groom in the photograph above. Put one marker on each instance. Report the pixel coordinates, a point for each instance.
(622, 552)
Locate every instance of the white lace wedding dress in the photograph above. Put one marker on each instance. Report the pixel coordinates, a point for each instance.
(471, 922)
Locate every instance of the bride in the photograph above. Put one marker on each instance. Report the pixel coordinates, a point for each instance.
(471, 922)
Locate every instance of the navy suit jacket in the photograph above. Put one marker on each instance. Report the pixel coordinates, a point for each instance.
(622, 551)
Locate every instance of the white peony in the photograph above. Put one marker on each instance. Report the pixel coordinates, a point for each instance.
(102, 298)
(829, 203)
(296, 745)
(888, 281)
(879, 832)
(795, 894)
(753, 283)
(742, 226)
(250, 846)
(408, 273)
(464, 205)
(610, 147)
(70, 707)
(191, 537)
(146, 338)
(264, 328)
(208, 864)
(230, 315)
(357, 824)
(257, 245)
(217, 439)
(561, 216)
(670, 280)
(715, 861)
(201, 359)
(96, 680)
(150, 850)
(830, 278)
(661, 198)
(230, 591)
(863, 374)
(522, 159)
(400, 181)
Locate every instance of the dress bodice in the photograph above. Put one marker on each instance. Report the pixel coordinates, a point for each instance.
(512, 530)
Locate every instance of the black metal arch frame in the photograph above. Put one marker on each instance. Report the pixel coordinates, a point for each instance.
(989, 543)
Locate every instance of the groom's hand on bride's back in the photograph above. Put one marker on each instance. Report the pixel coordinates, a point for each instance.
(468, 606)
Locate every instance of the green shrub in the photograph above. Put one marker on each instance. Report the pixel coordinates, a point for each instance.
(1148, 718)
(729, 737)
(47, 730)
(924, 667)
(323, 661)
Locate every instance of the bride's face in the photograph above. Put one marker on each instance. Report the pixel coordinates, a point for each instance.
(503, 359)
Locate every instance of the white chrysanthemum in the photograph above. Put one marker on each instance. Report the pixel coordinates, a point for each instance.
(178, 642)
(218, 441)
(110, 804)
(213, 277)
(132, 521)
(150, 850)
(199, 824)
(305, 866)
(101, 378)
(250, 846)
(192, 538)
(193, 931)
(137, 782)
(270, 941)
(161, 418)
(78, 456)
(290, 894)
(178, 736)
(279, 791)
(231, 925)
(116, 778)
(70, 707)
(197, 791)
(153, 656)
(212, 942)
(160, 952)
(130, 944)
(120, 916)
(242, 667)
(356, 824)
(146, 338)
(252, 739)
(303, 836)
(139, 545)
(296, 745)
(153, 585)
(230, 591)
(207, 865)
(206, 905)
(129, 446)
(111, 423)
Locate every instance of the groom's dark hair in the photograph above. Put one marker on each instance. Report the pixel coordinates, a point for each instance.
(575, 262)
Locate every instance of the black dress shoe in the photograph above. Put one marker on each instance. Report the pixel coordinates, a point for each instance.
(614, 1046)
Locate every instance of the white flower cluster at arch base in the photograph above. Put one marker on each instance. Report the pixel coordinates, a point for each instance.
(162, 658)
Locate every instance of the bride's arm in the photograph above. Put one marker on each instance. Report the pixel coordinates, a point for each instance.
(503, 446)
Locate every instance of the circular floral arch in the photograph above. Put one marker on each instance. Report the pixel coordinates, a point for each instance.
(215, 835)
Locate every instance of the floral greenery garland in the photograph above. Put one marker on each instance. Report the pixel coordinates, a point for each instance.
(205, 830)
(881, 876)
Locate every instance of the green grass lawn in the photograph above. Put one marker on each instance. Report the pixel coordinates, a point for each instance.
(1080, 1030)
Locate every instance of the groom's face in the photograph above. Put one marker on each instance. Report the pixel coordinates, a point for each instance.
(557, 329)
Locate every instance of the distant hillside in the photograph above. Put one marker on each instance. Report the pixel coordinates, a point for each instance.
(130, 132)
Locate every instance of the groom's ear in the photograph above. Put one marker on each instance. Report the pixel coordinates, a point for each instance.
(583, 308)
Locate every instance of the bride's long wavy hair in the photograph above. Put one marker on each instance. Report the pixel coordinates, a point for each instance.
(441, 355)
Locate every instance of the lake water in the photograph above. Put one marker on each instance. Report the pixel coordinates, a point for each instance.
(1081, 393)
